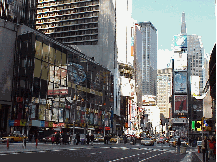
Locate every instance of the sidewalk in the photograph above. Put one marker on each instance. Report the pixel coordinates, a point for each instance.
(200, 156)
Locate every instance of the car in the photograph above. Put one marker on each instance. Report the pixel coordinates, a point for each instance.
(48, 138)
(172, 142)
(160, 140)
(114, 139)
(14, 138)
(147, 141)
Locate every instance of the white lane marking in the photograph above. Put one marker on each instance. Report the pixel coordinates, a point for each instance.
(55, 150)
(93, 153)
(3, 154)
(28, 152)
(105, 147)
(72, 149)
(15, 153)
(41, 151)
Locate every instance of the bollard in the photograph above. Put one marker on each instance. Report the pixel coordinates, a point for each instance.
(7, 143)
(36, 142)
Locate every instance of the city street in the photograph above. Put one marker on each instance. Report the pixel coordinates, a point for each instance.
(98, 152)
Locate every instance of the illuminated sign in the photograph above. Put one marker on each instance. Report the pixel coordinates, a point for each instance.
(180, 82)
(181, 104)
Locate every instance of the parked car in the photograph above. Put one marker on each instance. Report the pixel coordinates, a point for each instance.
(14, 138)
(147, 141)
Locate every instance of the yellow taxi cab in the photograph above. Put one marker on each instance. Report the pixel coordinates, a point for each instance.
(147, 141)
(14, 138)
(114, 139)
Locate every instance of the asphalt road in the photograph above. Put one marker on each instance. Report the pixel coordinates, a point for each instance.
(101, 153)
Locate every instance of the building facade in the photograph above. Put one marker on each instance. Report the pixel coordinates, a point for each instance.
(164, 90)
(149, 58)
(196, 57)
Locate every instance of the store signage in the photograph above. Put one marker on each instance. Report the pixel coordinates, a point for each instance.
(179, 120)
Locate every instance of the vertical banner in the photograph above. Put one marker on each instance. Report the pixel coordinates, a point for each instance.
(41, 113)
(132, 46)
(33, 108)
(181, 104)
(180, 82)
(60, 115)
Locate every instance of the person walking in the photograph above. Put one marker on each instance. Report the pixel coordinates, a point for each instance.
(77, 138)
(205, 149)
(125, 139)
(88, 139)
(53, 139)
(178, 145)
(211, 148)
(92, 138)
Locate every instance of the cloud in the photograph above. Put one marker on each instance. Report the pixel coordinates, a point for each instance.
(163, 58)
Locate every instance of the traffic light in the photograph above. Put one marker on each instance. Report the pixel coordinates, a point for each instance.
(193, 125)
(198, 126)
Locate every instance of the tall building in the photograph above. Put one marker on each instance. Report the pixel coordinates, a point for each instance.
(88, 24)
(164, 90)
(196, 56)
(149, 58)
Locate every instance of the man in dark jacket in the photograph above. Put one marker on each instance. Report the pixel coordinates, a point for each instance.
(92, 138)
(77, 138)
(88, 138)
(178, 145)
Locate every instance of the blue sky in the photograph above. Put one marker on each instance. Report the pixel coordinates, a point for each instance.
(165, 15)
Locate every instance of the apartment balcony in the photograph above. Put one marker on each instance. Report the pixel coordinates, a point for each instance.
(91, 40)
(75, 36)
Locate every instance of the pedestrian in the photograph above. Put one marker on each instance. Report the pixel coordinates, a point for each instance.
(92, 138)
(77, 138)
(205, 149)
(105, 139)
(211, 148)
(88, 139)
(53, 139)
(178, 145)
(125, 139)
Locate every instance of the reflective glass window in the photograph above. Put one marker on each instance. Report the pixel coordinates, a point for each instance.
(63, 59)
(37, 69)
(38, 49)
(45, 69)
(45, 52)
(52, 55)
(58, 58)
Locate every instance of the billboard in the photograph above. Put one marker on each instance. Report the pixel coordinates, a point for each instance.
(132, 46)
(195, 85)
(180, 41)
(180, 62)
(180, 82)
(181, 104)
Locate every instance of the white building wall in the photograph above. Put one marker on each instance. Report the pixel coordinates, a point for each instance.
(153, 116)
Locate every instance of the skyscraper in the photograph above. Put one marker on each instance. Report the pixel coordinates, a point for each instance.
(183, 26)
(196, 56)
(149, 58)
(90, 25)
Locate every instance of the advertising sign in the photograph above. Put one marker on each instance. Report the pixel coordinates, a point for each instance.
(181, 104)
(180, 41)
(179, 120)
(180, 82)
(33, 108)
(180, 62)
(195, 85)
(41, 112)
